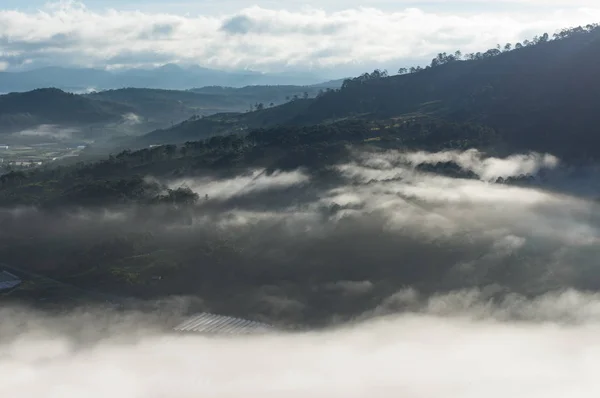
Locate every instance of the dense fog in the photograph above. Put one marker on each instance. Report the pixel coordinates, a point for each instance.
(457, 346)
(387, 279)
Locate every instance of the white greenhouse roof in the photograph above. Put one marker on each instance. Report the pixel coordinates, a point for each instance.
(220, 324)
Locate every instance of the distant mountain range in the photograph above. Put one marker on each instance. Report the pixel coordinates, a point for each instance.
(170, 76)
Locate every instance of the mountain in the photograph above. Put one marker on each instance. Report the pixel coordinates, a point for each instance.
(170, 104)
(158, 103)
(170, 76)
(223, 123)
(69, 79)
(540, 96)
(54, 106)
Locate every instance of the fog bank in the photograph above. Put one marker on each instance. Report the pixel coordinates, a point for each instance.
(421, 353)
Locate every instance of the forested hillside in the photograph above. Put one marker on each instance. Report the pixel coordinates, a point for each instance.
(167, 105)
(182, 104)
(540, 94)
(283, 223)
(54, 106)
(120, 179)
(266, 95)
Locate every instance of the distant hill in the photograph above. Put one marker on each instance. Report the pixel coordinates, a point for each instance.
(224, 123)
(329, 84)
(266, 95)
(542, 95)
(68, 79)
(54, 106)
(169, 76)
(157, 103)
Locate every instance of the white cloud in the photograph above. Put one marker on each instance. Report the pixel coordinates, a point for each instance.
(422, 354)
(131, 119)
(253, 181)
(49, 131)
(489, 168)
(436, 205)
(263, 38)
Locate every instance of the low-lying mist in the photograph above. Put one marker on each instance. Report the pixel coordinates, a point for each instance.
(291, 247)
(45, 133)
(392, 281)
(445, 349)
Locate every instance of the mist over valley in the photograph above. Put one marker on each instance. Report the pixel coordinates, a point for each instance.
(429, 232)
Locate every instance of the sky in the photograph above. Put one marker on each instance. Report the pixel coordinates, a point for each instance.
(333, 37)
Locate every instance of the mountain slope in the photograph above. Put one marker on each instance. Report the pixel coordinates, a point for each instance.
(542, 97)
(539, 97)
(224, 123)
(157, 103)
(53, 106)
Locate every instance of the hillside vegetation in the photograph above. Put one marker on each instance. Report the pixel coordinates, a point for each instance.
(182, 104)
(54, 106)
(540, 95)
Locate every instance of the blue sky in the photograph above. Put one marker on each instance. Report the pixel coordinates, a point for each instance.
(337, 37)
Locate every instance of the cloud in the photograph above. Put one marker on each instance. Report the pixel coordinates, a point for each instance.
(48, 131)
(489, 168)
(253, 181)
(334, 248)
(404, 283)
(131, 119)
(289, 24)
(262, 38)
(426, 352)
(568, 307)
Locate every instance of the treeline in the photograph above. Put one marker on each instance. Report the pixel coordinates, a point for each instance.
(445, 58)
(517, 94)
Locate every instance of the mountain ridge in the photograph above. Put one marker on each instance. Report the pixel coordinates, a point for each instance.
(539, 96)
(169, 76)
